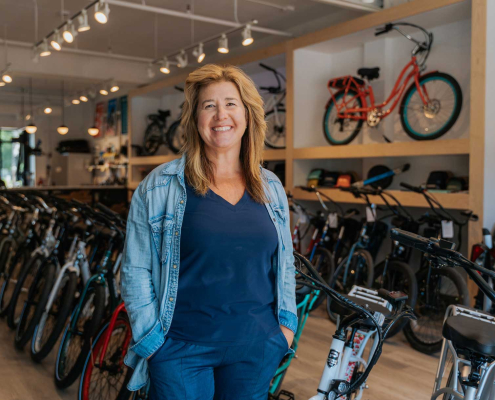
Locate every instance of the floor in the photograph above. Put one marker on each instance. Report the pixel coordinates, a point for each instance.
(401, 373)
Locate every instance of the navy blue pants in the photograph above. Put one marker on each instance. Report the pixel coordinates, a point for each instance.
(180, 370)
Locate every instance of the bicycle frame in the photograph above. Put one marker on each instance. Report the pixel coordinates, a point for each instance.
(364, 91)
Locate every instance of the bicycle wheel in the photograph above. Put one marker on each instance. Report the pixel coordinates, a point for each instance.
(446, 287)
(399, 276)
(275, 128)
(6, 248)
(430, 122)
(325, 265)
(359, 273)
(339, 131)
(21, 290)
(176, 137)
(76, 342)
(153, 138)
(9, 279)
(34, 304)
(52, 322)
(106, 380)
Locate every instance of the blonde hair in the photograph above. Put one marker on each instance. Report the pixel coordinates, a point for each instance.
(198, 169)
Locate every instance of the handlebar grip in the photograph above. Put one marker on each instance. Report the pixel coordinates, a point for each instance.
(266, 67)
(106, 210)
(411, 187)
(264, 88)
(308, 189)
(387, 28)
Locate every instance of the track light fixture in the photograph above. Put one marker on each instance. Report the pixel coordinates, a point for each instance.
(102, 11)
(247, 37)
(199, 53)
(6, 77)
(93, 131)
(181, 59)
(47, 110)
(165, 66)
(76, 101)
(2, 84)
(114, 87)
(151, 72)
(104, 91)
(45, 51)
(57, 40)
(83, 21)
(69, 32)
(223, 44)
(83, 98)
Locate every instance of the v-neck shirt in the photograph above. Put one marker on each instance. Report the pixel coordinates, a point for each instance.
(226, 290)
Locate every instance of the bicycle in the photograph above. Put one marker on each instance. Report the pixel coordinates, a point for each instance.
(484, 255)
(437, 287)
(275, 111)
(156, 132)
(467, 345)
(429, 107)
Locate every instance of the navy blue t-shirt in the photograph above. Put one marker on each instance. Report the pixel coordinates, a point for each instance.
(226, 293)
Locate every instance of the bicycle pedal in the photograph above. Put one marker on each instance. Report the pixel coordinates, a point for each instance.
(285, 395)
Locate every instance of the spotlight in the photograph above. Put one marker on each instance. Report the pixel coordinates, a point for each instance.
(104, 91)
(101, 12)
(2, 83)
(199, 53)
(76, 101)
(28, 117)
(6, 76)
(31, 128)
(247, 38)
(62, 129)
(223, 44)
(83, 22)
(47, 110)
(69, 32)
(114, 87)
(45, 51)
(57, 41)
(182, 59)
(35, 57)
(151, 73)
(165, 66)
(83, 98)
(93, 131)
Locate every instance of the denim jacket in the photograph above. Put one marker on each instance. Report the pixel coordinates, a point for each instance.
(150, 266)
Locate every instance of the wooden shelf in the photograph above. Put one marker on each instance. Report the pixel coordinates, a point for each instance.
(152, 160)
(458, 201)
(398, 149)
(273, 155)
(132, 185)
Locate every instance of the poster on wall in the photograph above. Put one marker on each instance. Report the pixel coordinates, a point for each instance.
(100, 119)
(123, 114)
(112, 118)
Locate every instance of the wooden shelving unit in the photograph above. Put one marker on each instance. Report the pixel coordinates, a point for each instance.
(458, 201)
(152, 160)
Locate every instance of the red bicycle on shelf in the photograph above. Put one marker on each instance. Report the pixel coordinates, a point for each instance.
(429, 108)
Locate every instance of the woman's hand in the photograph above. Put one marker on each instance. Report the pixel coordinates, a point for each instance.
(289, 335)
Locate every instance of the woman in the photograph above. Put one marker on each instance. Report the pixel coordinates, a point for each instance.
(208, 277)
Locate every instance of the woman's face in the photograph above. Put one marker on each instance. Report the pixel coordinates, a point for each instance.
(221, 116)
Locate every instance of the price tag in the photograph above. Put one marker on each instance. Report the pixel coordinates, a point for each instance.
(333, 220)
(303, 218)
(447, 229)
(370, 214)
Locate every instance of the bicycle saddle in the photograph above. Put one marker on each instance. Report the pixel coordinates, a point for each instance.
(369, 73)
(164, 113)
(472, 332)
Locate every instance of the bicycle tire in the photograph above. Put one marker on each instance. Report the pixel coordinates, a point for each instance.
(66, 300)
(326, 116)
(37, 297)
(405, 105)
(399, 276)
(174, 139)
(364, 258)
(65, 377)
(84, 392)
(23, 284)
(324, 263)
(6, 246)
(281, 134)
(418, 341)
(152, 140)
(6, 280)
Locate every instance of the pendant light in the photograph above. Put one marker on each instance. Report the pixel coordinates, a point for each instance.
(6, 77)
(62, 129)
(31, 128)
(93, 131)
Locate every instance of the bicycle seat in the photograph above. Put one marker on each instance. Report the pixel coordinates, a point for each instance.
(471, 333)
(164, 113)
(369, 73)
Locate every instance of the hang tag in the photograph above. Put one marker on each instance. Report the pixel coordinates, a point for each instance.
(447, 229)
(333, 220)
(370, 215)
(303, 218)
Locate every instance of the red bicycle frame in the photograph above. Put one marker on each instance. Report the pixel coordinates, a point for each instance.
(364, 91)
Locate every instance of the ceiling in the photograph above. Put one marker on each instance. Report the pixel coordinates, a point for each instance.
(131, 32)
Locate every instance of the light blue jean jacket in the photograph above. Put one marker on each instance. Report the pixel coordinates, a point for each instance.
(150, 266)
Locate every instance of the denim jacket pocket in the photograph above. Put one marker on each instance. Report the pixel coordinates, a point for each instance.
(162, 230)
(279, 214)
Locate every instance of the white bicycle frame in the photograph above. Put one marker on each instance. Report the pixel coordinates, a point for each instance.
(486, 388)
(340, 358)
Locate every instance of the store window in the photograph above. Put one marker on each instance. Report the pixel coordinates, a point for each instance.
(17, 166)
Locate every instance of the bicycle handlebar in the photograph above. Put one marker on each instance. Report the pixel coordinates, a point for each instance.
(387, 28)
(411, 187)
